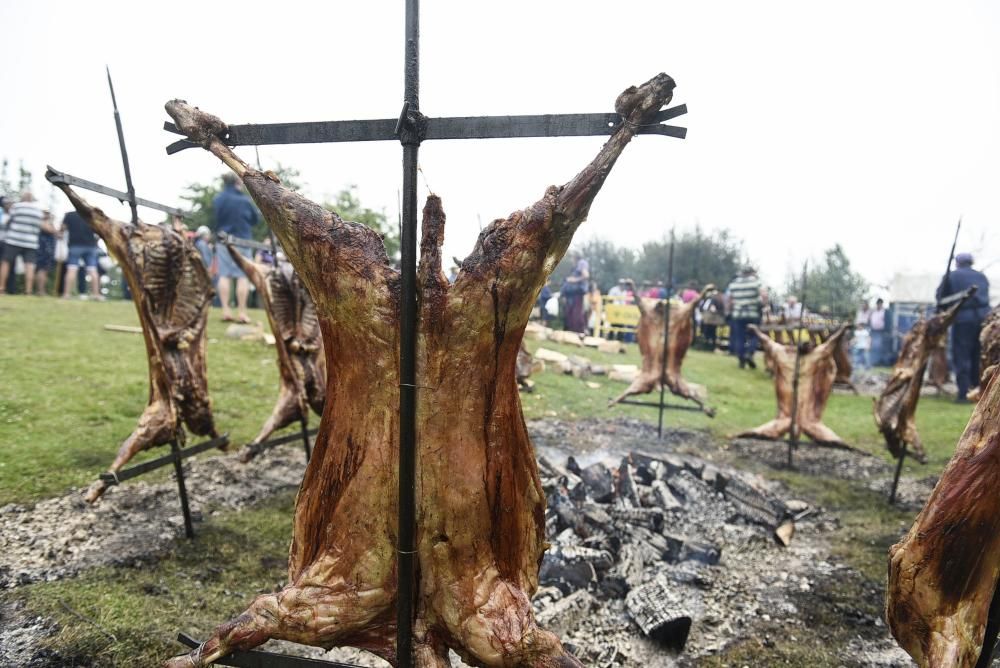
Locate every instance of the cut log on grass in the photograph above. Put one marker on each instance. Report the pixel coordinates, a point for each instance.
(125, 329)
(650, 335)
(480, 505)
(896, 408)
(172, 294)
(298, 342)
(941, 602)
(989, 352)
(817, 371)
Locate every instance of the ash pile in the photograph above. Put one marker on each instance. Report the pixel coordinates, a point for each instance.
(636, 556)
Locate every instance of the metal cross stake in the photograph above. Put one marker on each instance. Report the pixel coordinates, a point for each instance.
(410, 129)
(793, 435)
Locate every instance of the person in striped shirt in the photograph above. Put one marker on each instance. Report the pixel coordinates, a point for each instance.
(25, 222)
(744, 305)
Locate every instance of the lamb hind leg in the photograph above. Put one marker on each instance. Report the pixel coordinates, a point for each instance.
(771, 431)
(683, 390)
(641, 385)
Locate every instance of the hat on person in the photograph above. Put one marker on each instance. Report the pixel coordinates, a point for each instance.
(203, 231)
(964, 259)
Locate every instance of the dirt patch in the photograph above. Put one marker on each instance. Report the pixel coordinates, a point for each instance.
(137, 521)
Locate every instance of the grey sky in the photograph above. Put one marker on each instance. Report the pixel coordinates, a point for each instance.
(869, 123)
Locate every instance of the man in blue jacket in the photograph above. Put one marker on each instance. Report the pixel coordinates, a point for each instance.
(968, 321)
(235, 214)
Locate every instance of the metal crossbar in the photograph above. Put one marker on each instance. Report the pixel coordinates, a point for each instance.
(55, 177)
(257, 659)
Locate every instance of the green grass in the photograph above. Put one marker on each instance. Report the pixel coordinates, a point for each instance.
(70, 391)
(133, 614)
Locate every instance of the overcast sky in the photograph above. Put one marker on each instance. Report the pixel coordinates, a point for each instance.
(871, 124)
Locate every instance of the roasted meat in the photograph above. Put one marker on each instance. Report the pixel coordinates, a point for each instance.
(842, 359)
(941, 600)
(650, 336)
(480, 505)
(172, 294)
(989, 352)
(817, 371)
(298, 341)
(895, 409)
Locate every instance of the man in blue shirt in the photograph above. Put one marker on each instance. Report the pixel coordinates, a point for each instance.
(235, 214)
(968, 321)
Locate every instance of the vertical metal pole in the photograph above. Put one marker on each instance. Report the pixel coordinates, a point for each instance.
(305, 438)
(408, 349)
(274, 250)
(895, 478)
(666, 332)
(793, 439)
(129, 188)
(175, 448)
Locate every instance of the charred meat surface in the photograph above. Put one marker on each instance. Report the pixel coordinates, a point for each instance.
(480, 505)
(172, 294)
(298, 342)
(896, 408)
(943, 574)
(650, 335)
(989, 352)
(817, 371)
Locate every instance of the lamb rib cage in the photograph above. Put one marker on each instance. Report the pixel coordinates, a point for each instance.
(298, 343)
(480, 514)
(172, 295)
(654, 372)
(896, 407)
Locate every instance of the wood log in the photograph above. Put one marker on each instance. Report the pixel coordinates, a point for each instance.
(942, 601)
(659, 611)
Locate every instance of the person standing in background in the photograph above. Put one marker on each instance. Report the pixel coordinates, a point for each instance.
(744, 297)
(45, 259)
(690, 292)
(82, 248)
(26, 219)
(876, 325)
(236, 215)
(573, 291)
(968, 322)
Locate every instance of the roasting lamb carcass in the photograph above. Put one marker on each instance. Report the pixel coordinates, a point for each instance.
(817, 371)
(989, 352)
(480, 505)
(298, 341)
(172, 294)
(941, 601)
(842, 359)
(650, 336)
(895, 409)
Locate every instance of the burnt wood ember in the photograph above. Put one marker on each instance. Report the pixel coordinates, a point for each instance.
(895, 409)
(660, 613)
(816, 375)
(989, 352)
(172, 294)
(480, 505)
(297, 340)
(600, 482)
(650, 336)
(943, 575)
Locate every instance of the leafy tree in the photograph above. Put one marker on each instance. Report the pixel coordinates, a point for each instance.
(830, 285)
(705, 257)
(349, 207)
(608, 262)
(24, 178)
(200, 195)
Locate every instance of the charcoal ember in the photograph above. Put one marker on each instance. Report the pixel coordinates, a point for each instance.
(599, 481)
(566, 614)
(664, 497)
(688, 487)
(608, 542)
(681, 548)
(567, 576)
(651, 518)
(551, 522)
(695, 466)
(714, 478)
(659, 611)
(573, 466)
(633, 560)
(625, 487)
(567, 537)
(595, 519)
(566, 514)
(758, 507)
(684, 574)
(614, 585)
(601, 560)
(547, 469)
(659, 543)
(574, 486)
(546, 596)
(646, 497)
(647, 469)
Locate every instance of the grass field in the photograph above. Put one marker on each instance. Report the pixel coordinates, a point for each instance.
(71, 391)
